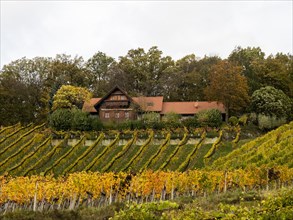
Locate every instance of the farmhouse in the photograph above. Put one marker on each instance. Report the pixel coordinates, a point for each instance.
(118, 106)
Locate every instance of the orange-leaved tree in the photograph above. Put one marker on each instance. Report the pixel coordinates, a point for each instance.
(227, 85)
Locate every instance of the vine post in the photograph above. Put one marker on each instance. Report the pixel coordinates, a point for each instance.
(225, 181)
(35, 197)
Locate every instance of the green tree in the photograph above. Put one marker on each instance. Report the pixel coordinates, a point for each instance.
(188, 78)
(248, 58)
(23, 91)
(100, 66)
(277, 71)
(228, 86)
(70, 97)
(140, 72)
(271, 102)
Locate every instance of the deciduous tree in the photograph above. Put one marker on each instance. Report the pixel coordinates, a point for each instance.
(70, 97)
(248, 58)
(99, 67)
(271, 102)
(228, 86)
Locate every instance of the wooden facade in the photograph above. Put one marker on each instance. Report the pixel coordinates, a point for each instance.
(116, 106)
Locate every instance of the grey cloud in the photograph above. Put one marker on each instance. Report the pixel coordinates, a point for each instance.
(37, 28)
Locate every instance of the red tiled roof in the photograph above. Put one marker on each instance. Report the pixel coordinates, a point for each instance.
(89, 105)
(154, 104)
(186, 108)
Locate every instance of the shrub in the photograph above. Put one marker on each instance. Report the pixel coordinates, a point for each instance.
(253, 118)
(243, 120)
(211, 118)
(96, 123)
(191, 122)
(151, 117)
(172, 120)
(61, 119)
(269, 122)
(80, 120)
(233, 120)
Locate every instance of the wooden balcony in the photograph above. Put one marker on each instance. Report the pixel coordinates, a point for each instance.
(115, 103)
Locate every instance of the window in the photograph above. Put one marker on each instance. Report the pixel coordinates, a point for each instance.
(117, 115)
(114, 97)
(107, 115)
(126, 114)
(123, 97)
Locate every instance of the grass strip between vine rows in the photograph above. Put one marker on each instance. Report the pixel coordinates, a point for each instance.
(22, 136)
(44, 143)
(185, 164)
(91, 164)
(160, 149)
(181, 143)
(63, 156)
(46, 157)
(121, 153)
(69, 168)
(148, 141)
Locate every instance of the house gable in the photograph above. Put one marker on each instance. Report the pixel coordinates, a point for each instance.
(117, 105)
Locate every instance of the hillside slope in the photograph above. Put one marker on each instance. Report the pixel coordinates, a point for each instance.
(271, 149)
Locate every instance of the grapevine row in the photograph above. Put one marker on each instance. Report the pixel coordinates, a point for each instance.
(212, 150)
(85, 153)
(3, 162)
(181, 143)
(28, 156)
(91, 164)
(64, 156)
(185, 164)
(21, 137)
(121, 153)
(14, 133)
(8, 128)
(146, 186)
(259, 146)
(160, 149)
(45, 157)
(148, 141)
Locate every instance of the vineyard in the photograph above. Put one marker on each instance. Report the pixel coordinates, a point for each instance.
(30, 150)
(40, 172)
(273, 149)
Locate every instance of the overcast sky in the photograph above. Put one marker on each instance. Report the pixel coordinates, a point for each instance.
(178, 28)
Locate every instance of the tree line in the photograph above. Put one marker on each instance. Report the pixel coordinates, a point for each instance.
(28, 86)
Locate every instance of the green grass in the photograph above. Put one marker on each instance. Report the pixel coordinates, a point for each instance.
(105, 159)
(179, 157)
(146, 154)
(155, 165)
(121, 162)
